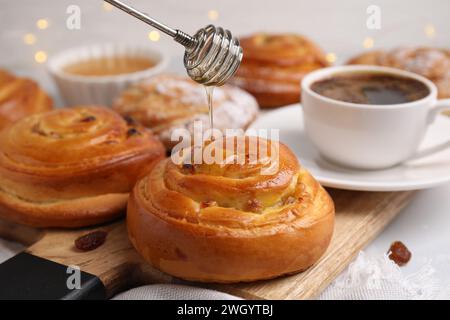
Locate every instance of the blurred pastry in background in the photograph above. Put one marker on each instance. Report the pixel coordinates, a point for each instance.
(274, 64)
(72, 167)
(20, 97)
(167, 102)
(432, 63)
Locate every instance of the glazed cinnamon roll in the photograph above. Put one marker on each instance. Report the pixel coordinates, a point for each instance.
(72, 167)
(231, 221)
(273, 66)
(20, 97)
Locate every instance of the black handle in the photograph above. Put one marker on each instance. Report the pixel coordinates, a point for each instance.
(26, 276)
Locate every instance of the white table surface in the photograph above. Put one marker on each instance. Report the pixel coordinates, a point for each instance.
(339, 26)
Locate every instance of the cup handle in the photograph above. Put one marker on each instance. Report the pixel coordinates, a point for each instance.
(440, 106)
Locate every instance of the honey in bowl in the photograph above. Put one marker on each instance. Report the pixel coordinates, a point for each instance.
(109, 66)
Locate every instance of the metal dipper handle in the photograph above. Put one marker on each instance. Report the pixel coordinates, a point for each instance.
(211, 56)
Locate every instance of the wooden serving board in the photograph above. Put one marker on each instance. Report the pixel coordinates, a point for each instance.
(360, 216)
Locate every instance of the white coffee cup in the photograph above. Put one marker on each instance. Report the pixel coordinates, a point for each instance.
(369, 136)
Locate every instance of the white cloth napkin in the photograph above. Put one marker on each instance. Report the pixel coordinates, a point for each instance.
(172, 292)
(8, 249)
(376, 277)
(367, 278)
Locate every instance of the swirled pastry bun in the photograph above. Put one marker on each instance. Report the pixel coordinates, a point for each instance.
(167, 102)
(231, 221)
(72, 167)
(20, 97)
(273, 66)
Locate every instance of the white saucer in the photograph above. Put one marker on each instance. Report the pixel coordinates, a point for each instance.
(422, 173)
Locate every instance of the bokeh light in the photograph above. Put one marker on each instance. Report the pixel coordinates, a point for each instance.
(430, 31)
(331, 57)
(213, 15)
(40, 56)
(154, 35)
(368, 43)
(42, 24)
(107, 6)
(29, 39)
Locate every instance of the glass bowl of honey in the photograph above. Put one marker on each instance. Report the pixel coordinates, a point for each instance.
(98, 74)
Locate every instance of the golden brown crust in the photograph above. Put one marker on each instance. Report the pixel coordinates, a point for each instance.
(167, 102)
(432, 63)
(72, 167)
(273, 66)
(20, 97)
(230, 223)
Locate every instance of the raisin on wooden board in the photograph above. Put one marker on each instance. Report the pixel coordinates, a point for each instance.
(399, 253)
(91, 240)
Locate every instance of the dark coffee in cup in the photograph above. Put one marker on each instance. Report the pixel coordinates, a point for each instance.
(374, 88)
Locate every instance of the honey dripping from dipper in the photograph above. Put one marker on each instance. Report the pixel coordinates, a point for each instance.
(209, 97)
